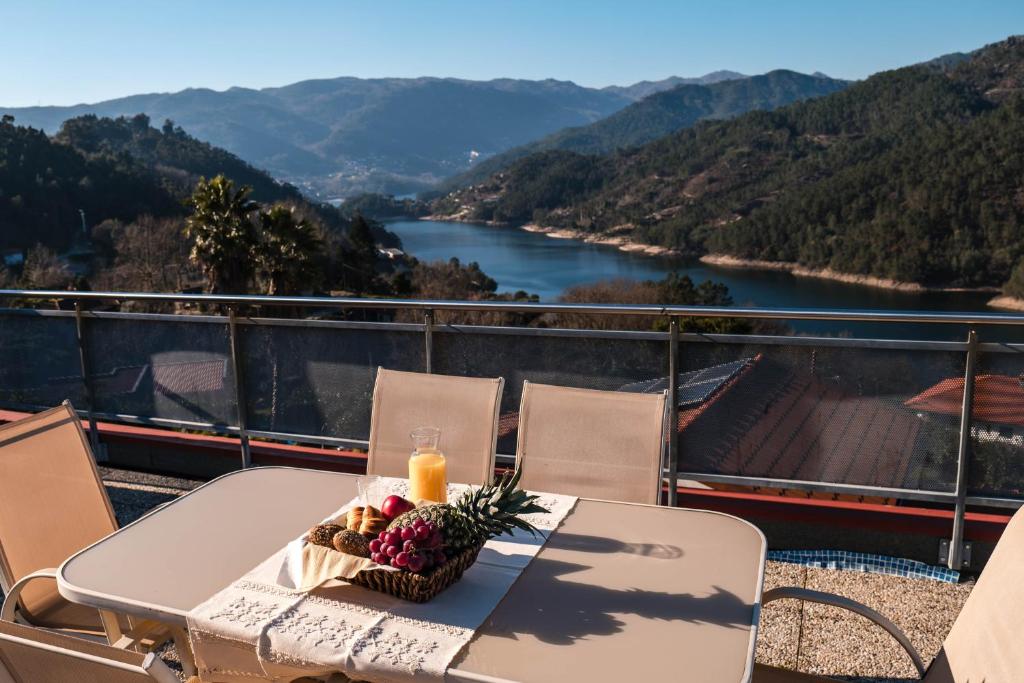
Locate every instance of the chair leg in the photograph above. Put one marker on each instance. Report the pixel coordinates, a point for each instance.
(184, 648)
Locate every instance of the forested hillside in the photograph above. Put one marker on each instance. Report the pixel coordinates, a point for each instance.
(915, 175)
(665, 112)
(165, 212)
(113, 169)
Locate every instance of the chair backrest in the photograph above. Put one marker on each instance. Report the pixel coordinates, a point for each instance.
(32, 655)
(52, 501)
(986, 642)
(465, 409)
(594, 444)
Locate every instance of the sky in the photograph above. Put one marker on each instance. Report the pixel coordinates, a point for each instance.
(70, 51)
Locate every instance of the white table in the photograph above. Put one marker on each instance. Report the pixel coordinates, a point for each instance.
(619, 592)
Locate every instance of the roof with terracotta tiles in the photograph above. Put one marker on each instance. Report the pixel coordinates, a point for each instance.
(998, 399)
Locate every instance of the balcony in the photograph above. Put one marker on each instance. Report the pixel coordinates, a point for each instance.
(905, 447)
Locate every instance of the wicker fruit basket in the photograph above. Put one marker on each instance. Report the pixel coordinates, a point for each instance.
(417, 587)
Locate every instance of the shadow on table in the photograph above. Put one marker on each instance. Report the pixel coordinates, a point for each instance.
(561, 612)
(586, 543)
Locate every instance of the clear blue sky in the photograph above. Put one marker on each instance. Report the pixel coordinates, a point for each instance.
(68, 51)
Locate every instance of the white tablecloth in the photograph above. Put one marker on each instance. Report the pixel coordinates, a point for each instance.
(261, 628)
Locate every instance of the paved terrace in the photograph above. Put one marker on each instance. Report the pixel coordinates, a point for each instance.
(809, 638)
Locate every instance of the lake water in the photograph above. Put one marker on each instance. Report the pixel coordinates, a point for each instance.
(521, 260)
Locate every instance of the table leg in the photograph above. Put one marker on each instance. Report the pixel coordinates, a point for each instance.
(184, 648)
(111, 626)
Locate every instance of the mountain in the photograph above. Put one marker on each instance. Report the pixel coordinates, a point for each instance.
(642, 89)
(342, 136)
(666, 112)
(114, 169)
(912, 175)
(345, 134)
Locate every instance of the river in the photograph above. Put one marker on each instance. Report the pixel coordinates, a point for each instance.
(546, 266)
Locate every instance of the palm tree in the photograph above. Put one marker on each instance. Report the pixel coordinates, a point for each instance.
(287, 251)
(224, 238)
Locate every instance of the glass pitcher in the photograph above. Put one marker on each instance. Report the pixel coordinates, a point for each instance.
(428, 480)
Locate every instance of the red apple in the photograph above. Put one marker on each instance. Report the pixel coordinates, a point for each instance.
(394, 506)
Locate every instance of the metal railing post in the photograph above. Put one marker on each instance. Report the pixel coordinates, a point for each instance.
(673, 411)
(236, 362)
(90, 392)
(428, 340)
(955, 560)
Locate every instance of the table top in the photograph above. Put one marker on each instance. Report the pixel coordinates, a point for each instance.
(667, 588)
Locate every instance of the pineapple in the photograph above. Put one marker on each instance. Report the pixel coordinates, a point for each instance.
(479, 514)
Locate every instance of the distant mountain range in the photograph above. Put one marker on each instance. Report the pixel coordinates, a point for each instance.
(642, 89)
(667, 111)
(913, 175)
(342, 136)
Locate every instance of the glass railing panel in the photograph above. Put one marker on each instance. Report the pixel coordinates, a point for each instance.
(996, 466)
(317, 379)
(167, 367)
(41, 365)
(799, 409)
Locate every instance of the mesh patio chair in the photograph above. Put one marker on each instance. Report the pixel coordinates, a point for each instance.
(985, 643)
(52, 504)
(465, 409)
(595, 444)
(32, 655)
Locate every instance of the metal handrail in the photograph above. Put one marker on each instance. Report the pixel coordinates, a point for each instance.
(847, 315)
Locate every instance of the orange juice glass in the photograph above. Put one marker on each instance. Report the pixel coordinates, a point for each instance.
(428, 478)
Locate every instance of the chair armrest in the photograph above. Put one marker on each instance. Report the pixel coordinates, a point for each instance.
(863, 610)
(10, 607)
(11, 599)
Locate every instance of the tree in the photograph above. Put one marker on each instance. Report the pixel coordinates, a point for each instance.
(224, 238)
(287, 251)
(150, 255)
(43, 269)
(359, 257)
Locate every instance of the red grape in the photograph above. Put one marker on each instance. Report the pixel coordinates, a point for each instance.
(422, 533)
(391, 550)
(416, 563)
(375, 545)
(401, 559)
(408, 546)
(379, 558)
(393, 538)
(408, 533)
(382, 536)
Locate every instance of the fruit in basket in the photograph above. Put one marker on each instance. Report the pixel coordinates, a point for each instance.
(351, 542)
(476, 516)
(389, 548)
(373, 522)
(354, 520)
(393, 506)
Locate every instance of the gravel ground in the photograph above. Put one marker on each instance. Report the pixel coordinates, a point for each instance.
(805, 637)
(133, 494)
(828, 641)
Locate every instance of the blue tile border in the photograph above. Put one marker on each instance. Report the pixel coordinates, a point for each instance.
(865, 562)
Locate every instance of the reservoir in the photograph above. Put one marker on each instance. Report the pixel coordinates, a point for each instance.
(546, 266)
